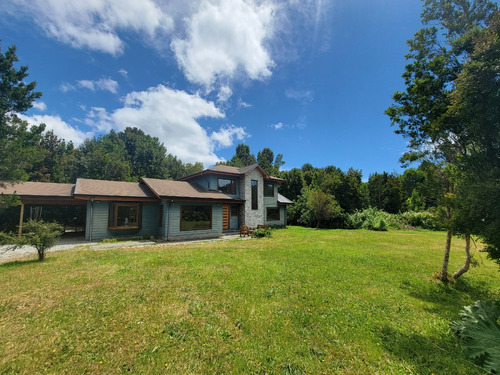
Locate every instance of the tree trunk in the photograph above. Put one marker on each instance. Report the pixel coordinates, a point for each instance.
(317, 225)
(41, 255)
(444, 270)
(466, 265)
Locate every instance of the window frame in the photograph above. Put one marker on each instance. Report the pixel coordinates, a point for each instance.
(113, 216)
(182, 207)
(233, 184)
(266, 185)
(254, 186)
(273, 208)
(234, 208)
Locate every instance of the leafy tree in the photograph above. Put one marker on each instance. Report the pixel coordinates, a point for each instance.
(39, 234)
(435, 62)
(385, 192)
(323, 206)
(242, 157)
(294, 182)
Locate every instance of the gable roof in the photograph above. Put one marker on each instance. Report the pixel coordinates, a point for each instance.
(87, 188)
(229, 170)
(183, 189)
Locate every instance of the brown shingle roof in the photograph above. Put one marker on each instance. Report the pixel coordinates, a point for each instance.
(38, 189)
(182, 189)
(118, 189)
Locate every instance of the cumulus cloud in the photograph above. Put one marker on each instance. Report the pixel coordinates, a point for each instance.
(95, 24)
(224, 94)
(226, 135)
(224, 37)
(60, 128)
(277, 126)
(65, 87)
(104, 84)
(172, 116)
(41, 106)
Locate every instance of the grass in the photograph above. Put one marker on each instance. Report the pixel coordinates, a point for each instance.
(302, 302)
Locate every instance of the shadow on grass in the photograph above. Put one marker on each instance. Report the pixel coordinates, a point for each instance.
(450, 297)
(20, 263)
(427, 355)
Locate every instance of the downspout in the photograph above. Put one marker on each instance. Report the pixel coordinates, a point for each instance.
(91, 218)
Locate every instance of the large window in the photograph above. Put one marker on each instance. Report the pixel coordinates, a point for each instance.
(124, 216)
(255, 195)
(273, 213)
(268, 189)
(196, 217)
(226, 185)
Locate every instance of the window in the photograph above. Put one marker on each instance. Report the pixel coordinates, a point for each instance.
(268, 189)
(226, 185)
(124, 216)
(160, 216)
(273, 213)
(196, 217)
(234, 211)
(255, 196)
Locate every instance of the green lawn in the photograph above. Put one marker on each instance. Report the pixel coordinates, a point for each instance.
(303, 301)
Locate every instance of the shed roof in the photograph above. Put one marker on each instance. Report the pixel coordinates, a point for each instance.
(38, 189)
(283, 200)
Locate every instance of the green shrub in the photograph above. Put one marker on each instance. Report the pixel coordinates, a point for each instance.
(370, 218)
(421, 219)
(261, 232)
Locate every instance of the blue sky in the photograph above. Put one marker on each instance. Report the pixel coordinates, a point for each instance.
(308, 79)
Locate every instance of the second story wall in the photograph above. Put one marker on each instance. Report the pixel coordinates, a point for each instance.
(210, 181)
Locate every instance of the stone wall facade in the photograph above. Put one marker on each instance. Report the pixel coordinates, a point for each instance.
(251, 217)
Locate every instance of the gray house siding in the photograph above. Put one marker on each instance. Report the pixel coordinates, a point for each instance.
(254, 217)
(97, 222)
(174, 229)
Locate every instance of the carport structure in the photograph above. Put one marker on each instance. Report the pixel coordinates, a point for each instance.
(41, 193)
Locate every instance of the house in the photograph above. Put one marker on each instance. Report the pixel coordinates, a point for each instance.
(207, 204)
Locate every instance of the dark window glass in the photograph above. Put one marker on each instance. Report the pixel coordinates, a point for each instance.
(268, 189)
(226, 185)
(160, 216)
(124, 215)
(255, 199)
(196, 217)
(234, 210)
(273, 214)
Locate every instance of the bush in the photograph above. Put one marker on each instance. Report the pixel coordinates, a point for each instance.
(261, 232)
(421, 219)
(39, 234)
(371, 219)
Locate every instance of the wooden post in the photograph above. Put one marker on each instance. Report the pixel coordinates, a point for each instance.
(21, 215)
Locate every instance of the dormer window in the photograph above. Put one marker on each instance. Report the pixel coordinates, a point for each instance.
(226, 186)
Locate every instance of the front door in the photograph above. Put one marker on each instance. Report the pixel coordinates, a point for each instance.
(225, 217)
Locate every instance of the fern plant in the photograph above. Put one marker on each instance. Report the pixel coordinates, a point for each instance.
(480, 333)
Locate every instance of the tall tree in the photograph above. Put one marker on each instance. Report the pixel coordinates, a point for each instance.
(18, 148)
(435, 62)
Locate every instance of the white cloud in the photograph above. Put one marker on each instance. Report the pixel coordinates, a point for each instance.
(172, 116)
(304, 96)
(104, 84)
(224, 94)
(61, 128)
(242, 104)
(226, 135)
(41, 106)
(123, 72)
(65, 87)
(94, 24)
(277, 126)
(224, 37)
